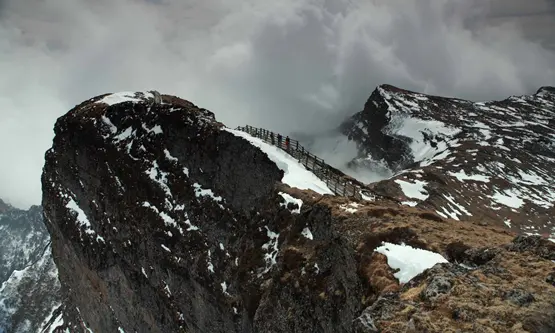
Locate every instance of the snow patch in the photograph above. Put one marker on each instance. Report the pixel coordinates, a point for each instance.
(416, 129)
(124, 135)
(350, 207)
(122, 97)
(200, 192)
(169, 156)
(160, 177)
(290, 199)
(272, 250)
(224, 287)
(81, 217)
(157, 129)
(462, 176)
(113, 129)
(507, 222)
(307, 233)
(508, 198)
(414, 190)
(410, 261)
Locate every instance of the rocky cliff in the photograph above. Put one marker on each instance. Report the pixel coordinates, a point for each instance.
(29, 289)
(163, 220)
(490, 161)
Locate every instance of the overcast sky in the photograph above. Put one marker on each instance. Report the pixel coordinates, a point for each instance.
(288, 65)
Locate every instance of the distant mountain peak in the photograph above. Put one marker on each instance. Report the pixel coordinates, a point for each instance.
(546, 90)
(467, 159)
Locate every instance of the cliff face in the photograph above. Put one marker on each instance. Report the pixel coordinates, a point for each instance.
(490, 161)
(163, 220)
(29, 287)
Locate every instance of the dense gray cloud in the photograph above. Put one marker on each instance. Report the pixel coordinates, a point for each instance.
(288, 65)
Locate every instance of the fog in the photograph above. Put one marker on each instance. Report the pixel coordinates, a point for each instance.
(288, 65)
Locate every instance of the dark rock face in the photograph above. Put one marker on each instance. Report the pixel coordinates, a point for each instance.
(28, 277)
(366, 129)
(465, 160)
(163, 221)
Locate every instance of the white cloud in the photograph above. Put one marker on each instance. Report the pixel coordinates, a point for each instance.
(288, 65)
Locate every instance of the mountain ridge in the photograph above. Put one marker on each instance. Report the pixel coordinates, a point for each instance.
(165, 220)
(450, 154)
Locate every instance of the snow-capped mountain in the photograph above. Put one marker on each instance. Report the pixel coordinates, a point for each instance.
(29, 282)
(164, 220)
(491, 161)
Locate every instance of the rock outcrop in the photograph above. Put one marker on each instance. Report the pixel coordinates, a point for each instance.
(29, 287)
(490, 161)
(163, 220)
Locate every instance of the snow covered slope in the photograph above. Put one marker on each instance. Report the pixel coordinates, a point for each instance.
(491, 161)
(29, 280)
(295, 174)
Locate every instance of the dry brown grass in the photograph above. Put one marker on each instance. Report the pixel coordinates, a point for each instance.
(476, 301)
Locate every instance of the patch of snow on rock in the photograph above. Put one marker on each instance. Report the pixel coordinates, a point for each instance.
(289, 199)
(81, 217)
(410, 261)
(350, 207)
(159, 177)
(120, 97)
(307, 233)
(507, 222)
(272, 247)
(415, 128)
(462, 176)
(508, 198)
(413, 190)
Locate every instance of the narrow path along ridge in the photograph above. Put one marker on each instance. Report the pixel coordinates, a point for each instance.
(338, 182)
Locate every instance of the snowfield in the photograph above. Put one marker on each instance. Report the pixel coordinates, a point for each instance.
(409, 260)
(296, 175)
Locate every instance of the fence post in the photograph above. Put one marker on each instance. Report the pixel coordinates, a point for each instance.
(344, 187)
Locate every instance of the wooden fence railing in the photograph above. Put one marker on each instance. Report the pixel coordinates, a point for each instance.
(338, 182)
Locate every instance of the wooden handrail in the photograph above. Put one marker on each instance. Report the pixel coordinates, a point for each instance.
(337, 182)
